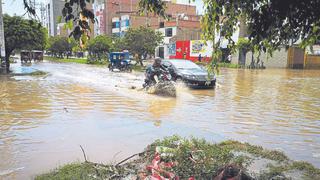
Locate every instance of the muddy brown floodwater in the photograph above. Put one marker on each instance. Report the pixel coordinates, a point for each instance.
(43, 120)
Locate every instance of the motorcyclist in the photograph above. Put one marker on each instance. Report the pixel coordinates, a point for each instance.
(154, 70)
(158, 79)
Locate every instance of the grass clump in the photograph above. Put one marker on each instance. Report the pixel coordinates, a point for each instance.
(138, 68)
(69, 171)
(38, 73)
(88, 171)
(194, 157)
(255, 150)
(229, 65)
(175, 157)
(220, 64)
(64, 60)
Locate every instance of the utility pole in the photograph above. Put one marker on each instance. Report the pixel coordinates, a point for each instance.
(43, 14)
(3, 64)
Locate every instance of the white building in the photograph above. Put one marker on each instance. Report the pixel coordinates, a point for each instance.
(99, 12)
(54, 13)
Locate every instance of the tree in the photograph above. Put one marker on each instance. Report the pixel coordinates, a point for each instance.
(243, 45)
(117, 43)
(60, 46)
(21, 34)
(270, 23)
(142, 41)
(99, 47)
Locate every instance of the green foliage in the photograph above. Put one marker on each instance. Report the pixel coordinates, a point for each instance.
(270, 23)
(99, 47)
(60, 46)
(21, 34)
(244, 44)
(76, 11)
(70, 171)
(229, 65)
(305, 170)
(141, 41)
(207, 158)
(155, 6)
(117, 44)
(254, 150)
(38, 73)
(70, 60)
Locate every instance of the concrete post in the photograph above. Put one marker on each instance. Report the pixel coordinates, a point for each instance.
(2, 41)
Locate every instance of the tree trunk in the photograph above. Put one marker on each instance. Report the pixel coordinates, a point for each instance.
(7, 63)
(140, 60)
(242, 57)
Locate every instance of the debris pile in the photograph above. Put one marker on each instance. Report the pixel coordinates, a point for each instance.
(176, 158)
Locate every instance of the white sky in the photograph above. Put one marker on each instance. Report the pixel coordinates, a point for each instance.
(12, 7)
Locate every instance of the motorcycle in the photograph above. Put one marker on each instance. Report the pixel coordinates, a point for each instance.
(161, 84)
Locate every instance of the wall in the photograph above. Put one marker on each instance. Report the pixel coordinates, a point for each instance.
(279, 59)
(188, 34)
(166, 40)
(116, 8)
(312, 62)
(137, 21)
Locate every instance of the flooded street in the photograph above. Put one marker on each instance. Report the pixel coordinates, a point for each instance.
(43, 120)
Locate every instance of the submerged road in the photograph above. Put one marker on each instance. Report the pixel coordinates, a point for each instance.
(43, 120)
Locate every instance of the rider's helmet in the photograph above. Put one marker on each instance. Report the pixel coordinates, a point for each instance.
(157, 62)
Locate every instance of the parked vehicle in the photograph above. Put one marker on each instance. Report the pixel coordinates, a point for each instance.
(25, 56)
(161, 84)
(28, 56)
(120, 61)
(190, 73)
(37, 55)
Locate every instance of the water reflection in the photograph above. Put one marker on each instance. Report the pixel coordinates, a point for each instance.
(23, 106)
(160, 108)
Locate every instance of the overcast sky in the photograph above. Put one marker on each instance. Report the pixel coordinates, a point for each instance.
(12, 7)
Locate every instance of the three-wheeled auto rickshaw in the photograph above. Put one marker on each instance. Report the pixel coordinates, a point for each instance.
(120, 61)
(37, 55)
(26, 56)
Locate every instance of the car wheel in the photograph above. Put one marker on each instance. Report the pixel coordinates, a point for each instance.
(179, 80)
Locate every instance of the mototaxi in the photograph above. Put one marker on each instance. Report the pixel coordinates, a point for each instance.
(120, 61)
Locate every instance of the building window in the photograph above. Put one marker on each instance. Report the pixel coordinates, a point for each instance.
(169, 32)
(161, 25)
(113, 24)
(125, 23)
